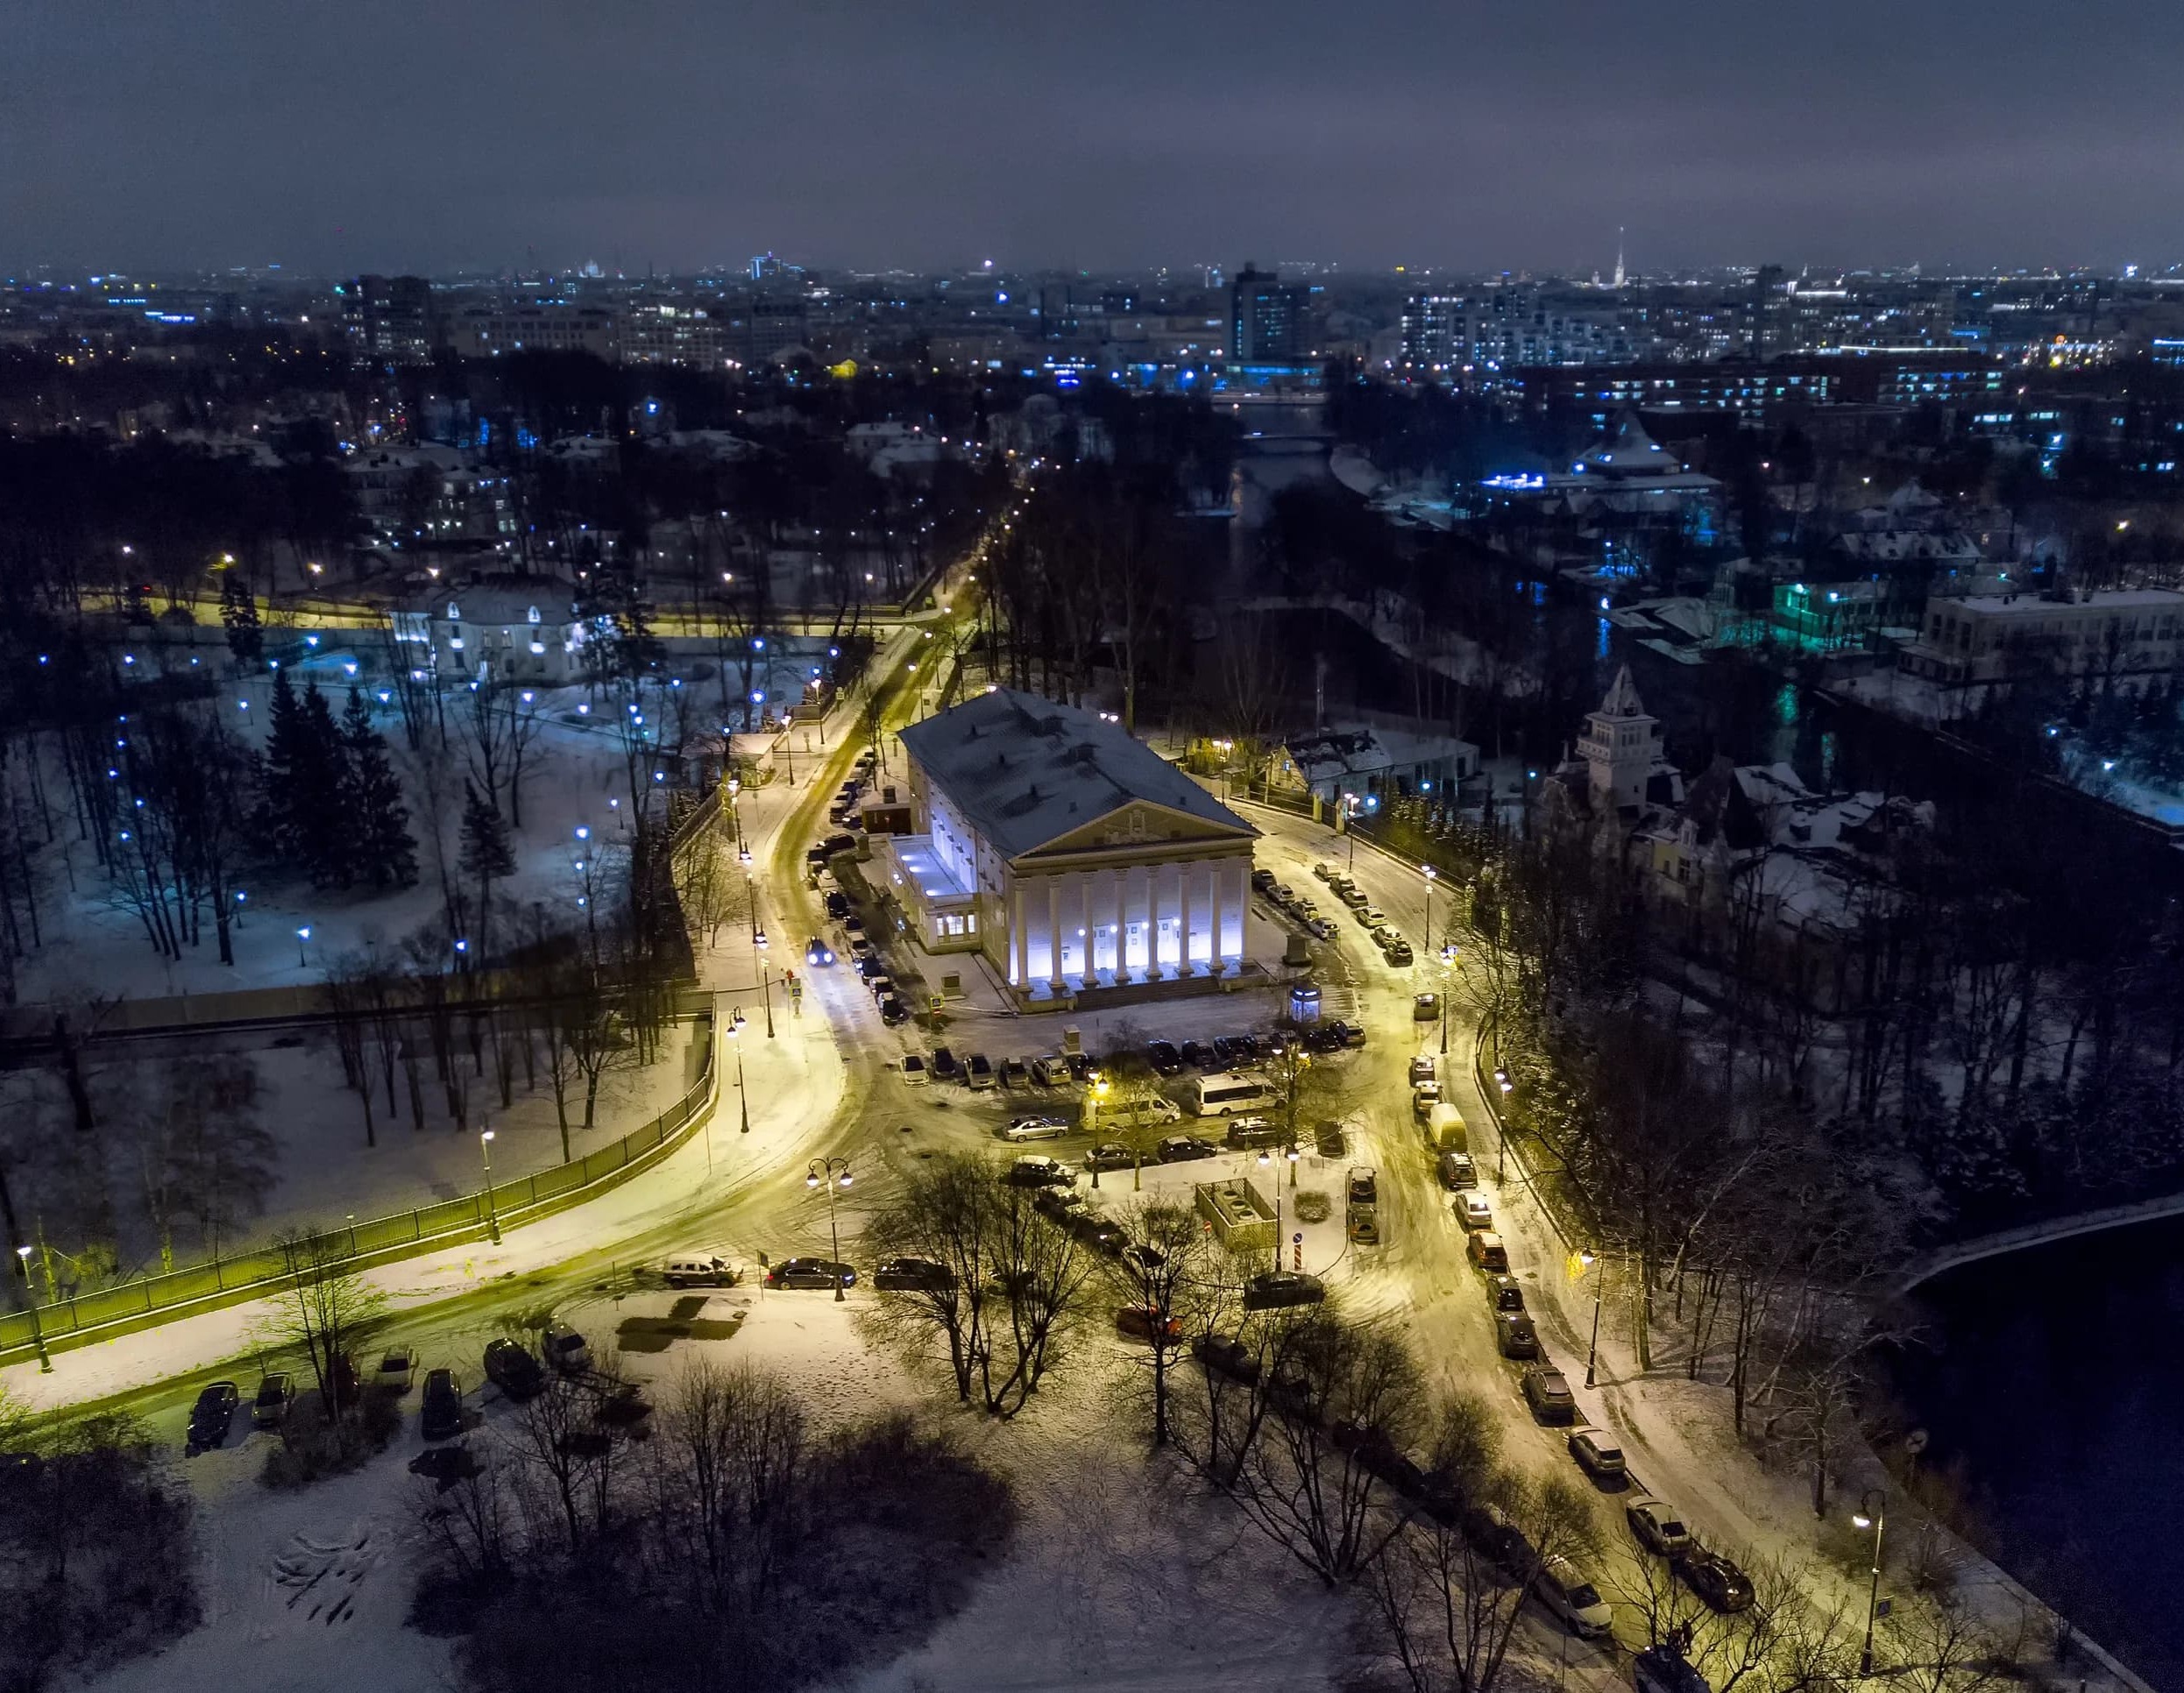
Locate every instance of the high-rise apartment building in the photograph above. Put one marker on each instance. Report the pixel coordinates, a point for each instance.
(1266, 318)
(388, 319)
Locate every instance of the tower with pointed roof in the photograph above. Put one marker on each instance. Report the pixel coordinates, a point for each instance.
(1620, 745)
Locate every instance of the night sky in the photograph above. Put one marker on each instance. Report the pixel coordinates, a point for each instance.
(338, 135)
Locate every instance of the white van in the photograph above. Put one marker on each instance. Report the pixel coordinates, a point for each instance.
(702, 1269)
(1566, 1592)
(1148, 1111)
(1238, 1092)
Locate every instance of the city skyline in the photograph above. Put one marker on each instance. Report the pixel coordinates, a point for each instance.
(491, 139)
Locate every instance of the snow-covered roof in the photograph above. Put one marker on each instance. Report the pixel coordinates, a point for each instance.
(1024, 771)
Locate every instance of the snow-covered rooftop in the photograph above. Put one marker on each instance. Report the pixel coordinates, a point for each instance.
(1025, 770)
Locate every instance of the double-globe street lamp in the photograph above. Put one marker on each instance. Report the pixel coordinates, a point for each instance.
(833, 1174)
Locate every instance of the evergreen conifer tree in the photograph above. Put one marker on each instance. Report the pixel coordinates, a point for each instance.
(238, 610)
(285, 755)
(319, 787)
(486, 854)
(378, 821)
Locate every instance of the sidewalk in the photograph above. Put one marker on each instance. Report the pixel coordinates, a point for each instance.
(792, 1081)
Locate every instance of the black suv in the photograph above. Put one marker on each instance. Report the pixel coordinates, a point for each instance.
(1164, 1058)
(510, 1367)
(210, 1417)
(442, 1417)
(944, 1068)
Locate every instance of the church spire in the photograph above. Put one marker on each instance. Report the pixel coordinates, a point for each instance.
(1619, 255)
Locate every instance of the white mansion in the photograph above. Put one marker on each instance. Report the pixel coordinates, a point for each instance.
(1070, 854)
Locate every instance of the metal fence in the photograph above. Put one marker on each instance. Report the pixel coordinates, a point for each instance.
(378, 1239)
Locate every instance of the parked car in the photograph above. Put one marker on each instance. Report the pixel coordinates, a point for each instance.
(811, 1272)
(1353, 896)
(1143, 1321)
(916, 1072)
(1164, 1058)
(1015, 1072)
(510, 1367)
(1023, 1129)
(1720, 1584)
(698, 1268)
(979, 1073)
(818, 954)
(944, 1068)
(1505, 1293)
(1227, 1051)
(1548, 1394)
(1262, 880)
(837, 906)
(1321, 928)
(1487, 1252)
(442, 1418)
(910, 1275)
(1398, 953)
(1456, 1172)
(1425, 1008)
(1323, 870)
(1369, 916)
(1329, 1142)
(1182, 1148)
(1079, 1065)
(1597, 1453)
(1424, 1095)
(1103, 1235)
(276, 1397)
(1514, 1334)
(1060, 1203)
(1229, 1358)
(1473, 1212)
(1424, 1067)
(1198, 1055)
(1274, 1289)
(1050, 1070)
(398, 1369)
(1253, 1132)
(1349, 1033)
(1037, 1169)
(1657, 1528)
(892, 1010)
(210, 1417)
(1568, 1593)
(1141, 1259)
(564, 1349)
(1110, 1155)
(1664, 1669)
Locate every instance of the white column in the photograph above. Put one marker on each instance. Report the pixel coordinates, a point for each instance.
(1020, 943)
(1054, 933)
(1185, 873)
(1214, 950)
(1119, 897)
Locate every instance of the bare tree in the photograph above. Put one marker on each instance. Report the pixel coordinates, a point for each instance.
(325, 1309)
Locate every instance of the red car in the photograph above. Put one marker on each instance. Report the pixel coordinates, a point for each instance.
(1140, 1322)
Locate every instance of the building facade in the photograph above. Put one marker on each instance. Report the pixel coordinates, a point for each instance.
(2132, 637)
(1067, 852)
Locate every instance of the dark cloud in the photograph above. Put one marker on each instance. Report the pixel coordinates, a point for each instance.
(384, 133)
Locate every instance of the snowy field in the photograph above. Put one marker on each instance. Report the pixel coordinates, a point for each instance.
(1118, 1579)
(576, 774)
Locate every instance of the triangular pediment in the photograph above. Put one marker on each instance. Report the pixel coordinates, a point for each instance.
(1139, 823)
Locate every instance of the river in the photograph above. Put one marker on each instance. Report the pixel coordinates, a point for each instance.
(2053, 1393)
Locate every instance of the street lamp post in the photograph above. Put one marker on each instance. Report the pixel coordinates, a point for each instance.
(1592, 1351)
(30, 1304)
(493, 1214)
(834, 1173)
(1448, 978)
(302, 939)
(1872, 1513)
(1093, 1097)
(766, 988)
(1432, 874)
(1501, 1128)
(742, 1095)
